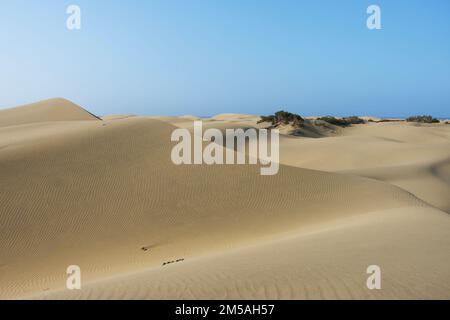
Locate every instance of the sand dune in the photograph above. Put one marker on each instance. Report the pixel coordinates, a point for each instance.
(105, 195)
(49, 110)
(234, 117)
(325, 264)
(415, 158)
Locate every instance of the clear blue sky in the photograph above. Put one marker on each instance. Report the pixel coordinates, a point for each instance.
(206, 57)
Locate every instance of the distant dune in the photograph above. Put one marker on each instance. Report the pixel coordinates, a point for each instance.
(232, 117)
(105, 195)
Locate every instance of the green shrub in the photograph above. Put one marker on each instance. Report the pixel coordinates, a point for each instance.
(344, 122)
(270, 119)
(283, 117)
(354, 120)
(390, 120)
(422, 119)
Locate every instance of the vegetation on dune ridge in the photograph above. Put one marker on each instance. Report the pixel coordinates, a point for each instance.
(422, 119)
(342, 122)
(386, 120)
(283, 117)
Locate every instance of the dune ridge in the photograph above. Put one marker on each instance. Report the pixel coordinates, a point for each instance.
(56, 109)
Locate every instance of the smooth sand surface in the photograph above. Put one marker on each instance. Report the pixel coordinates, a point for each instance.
(106, 196)
(57, 109)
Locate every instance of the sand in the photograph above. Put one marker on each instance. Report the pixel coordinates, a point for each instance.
(57, 109)
(103, 194)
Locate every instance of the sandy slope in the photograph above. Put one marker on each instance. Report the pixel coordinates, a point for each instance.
(49, 110)
(94, 193)
(327, 263)
(415, 158)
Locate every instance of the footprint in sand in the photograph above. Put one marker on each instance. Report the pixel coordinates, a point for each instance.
(148, 248)
(173, 261)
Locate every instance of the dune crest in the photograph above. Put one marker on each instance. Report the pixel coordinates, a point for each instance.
(56, 109)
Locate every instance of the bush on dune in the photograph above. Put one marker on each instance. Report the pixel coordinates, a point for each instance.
(354, 120)
(422, 119)
(343, 122)
(283, 117)
(389, 120)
